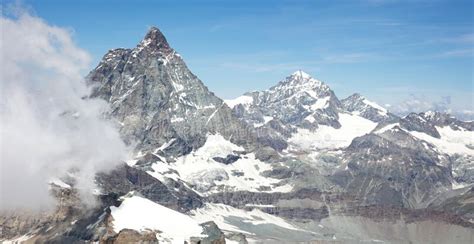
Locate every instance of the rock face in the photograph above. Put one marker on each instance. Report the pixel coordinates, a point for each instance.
(172, 194)
(443, 119)
(393, 169)
(213, 234)
(126, 236)
(155, 98)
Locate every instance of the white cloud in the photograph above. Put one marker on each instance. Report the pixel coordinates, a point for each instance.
(419, 104)
(47, 128)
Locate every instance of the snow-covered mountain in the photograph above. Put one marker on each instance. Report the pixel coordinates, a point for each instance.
(297, 100)
(306, 114)
(292, 163)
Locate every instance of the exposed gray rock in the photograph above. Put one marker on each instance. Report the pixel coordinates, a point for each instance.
(415, 122)
(444, 119)
(238, 237)
(213, 234)
(127, 236)
(394, 169)
(172, 194)
(359, 105)
(227, 160)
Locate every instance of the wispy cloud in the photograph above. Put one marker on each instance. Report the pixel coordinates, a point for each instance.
(418, 103)
(469, 52)
(465, 38)
(43, 113)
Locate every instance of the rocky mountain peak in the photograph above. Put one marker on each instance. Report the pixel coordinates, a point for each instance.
(155, 39)
(444, 119)
(358, 104)
(158, 100)
(300, 81)
(301, 74)
(355, 97)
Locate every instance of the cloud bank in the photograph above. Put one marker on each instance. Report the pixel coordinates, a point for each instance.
(46, 126)
(417, 104)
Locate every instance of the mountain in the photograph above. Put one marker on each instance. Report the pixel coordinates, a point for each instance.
(304, 113)
(156, 99)
(377, 149)
(297, 100)
(291, 163)
(359, 105)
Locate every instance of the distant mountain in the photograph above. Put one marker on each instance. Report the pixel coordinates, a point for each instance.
(304, 112)
(377, 146)
(359, 105)
(298, 100)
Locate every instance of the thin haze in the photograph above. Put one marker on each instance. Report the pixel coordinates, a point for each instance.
(47, 129)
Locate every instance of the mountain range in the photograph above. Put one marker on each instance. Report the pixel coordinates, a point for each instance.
(293, 163)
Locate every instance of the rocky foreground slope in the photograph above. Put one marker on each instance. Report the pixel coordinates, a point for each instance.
(289, 164)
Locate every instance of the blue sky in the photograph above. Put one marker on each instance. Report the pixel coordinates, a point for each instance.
(392, 51)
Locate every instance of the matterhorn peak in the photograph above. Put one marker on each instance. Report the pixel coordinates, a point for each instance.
(155, 39)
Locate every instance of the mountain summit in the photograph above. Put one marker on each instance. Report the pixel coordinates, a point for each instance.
(155, 39)
(360, 105)
(156, 99)
(296, 100)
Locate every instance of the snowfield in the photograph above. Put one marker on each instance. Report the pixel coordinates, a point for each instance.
(223, 214)
(209, 176)
(451, 141)
(327, 137)
(239, 100)
(141, 214)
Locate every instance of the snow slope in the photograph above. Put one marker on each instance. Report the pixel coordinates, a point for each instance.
(239, 100)
(381, 110)
(327, 137)
(209, 176)
(220, 212)
(140, 214)
(451, 141)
